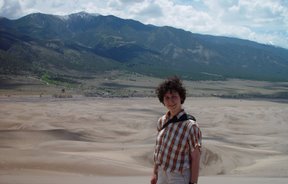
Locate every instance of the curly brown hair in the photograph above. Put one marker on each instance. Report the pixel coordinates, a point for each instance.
(171, 84)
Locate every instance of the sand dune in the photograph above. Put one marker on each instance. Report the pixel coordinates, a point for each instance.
(103, 138)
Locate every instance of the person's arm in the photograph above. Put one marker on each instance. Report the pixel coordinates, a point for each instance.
(154, 175)
(195, 165)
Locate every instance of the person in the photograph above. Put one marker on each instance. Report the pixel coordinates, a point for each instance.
(178, 143)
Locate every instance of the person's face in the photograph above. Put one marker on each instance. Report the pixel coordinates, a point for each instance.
(172, 102)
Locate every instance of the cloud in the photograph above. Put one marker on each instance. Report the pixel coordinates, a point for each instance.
(151, 10)
(264, 21)
(11, 8)
(131, 1)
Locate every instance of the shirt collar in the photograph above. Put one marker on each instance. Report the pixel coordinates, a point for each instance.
(167, 116)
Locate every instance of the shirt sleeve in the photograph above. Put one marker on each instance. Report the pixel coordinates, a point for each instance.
(195, 137)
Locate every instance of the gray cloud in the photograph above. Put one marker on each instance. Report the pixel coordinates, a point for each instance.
(131, 1)
(152, 10)
(11, 9)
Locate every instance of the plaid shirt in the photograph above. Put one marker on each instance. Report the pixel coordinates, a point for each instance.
(175, 143)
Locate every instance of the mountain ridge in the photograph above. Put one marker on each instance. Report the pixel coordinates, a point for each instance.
(88, 43)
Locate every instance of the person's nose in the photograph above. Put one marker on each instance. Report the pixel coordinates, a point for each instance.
(170, 100)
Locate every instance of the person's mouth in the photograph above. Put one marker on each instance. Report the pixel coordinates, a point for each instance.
(172, 106)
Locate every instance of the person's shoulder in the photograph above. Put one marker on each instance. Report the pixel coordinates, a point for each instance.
(191, 117)
(191, 120)
(160, 122)
(162, 118)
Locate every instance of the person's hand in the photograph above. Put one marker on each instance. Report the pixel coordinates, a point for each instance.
(153, 179)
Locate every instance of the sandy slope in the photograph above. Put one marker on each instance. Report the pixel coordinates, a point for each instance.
(100, 138)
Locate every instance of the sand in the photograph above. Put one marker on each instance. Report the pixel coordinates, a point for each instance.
(108, 140)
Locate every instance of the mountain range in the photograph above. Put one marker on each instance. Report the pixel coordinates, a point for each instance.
(86, 44)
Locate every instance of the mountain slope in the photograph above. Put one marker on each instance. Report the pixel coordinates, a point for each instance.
(89, 43)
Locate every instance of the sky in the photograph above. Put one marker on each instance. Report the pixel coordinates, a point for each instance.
(263, 21)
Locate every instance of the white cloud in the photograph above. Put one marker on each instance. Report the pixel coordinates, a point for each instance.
(258, 20)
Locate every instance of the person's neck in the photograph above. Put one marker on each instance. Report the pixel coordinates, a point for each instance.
(174, 113)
